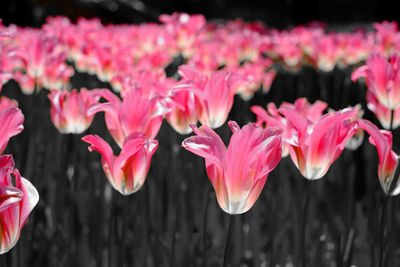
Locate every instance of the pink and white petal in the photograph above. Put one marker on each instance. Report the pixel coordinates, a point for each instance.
(9, 195)
(206, 144)
(11, 120)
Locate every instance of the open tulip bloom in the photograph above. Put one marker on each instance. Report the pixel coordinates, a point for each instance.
(272, 117)
(135, 113)
(215, 93)
(382, 78)
(126, 172)
(318, 144)
(69, 108)
(16, 202)
(238, 173)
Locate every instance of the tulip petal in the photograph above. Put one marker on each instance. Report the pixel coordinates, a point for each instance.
(206, 144)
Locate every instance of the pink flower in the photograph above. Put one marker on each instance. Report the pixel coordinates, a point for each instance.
(387, 157)
(26, 82)
(36, 50)
(326, 52)
(185, 28)
(11, 121)
(254, 73)
(238, 173)
(383, 78)
(215, 93)
(382, 113)
(126, 172)
(387, 35)
(69, 109)
(5, 102)
(320, 143)
(184, 111)
(271, 117)
(135, 113)
(17, 199)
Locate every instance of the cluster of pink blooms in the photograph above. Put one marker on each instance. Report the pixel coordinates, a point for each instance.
(221, 60)
(36, 58)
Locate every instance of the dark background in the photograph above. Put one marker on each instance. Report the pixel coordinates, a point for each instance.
(279, 14)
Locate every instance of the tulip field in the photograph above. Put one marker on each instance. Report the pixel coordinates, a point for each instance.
(188, 143)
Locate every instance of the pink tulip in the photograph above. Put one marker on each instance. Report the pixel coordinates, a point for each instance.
(185, 28)
(215, 93)
(357, 139)
(26, 82)
(317, 145)
(238, 173)
(17, 199)
(388, 159)
(37, 50)
(69, 109)
(184, 112)
(387, 35)
(11, 121)
(6, 102)
(271, 117)
(326, 52)
(383, 78)
(135, 113)
(254, 73)
(382, 113)
(126, 172)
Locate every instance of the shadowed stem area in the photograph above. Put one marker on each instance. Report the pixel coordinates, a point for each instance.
(124, 211)
(303, 225)
(382, 230)
(3, 262)
(383, 210)
(228, 240)
(204, 236)
(110, 229)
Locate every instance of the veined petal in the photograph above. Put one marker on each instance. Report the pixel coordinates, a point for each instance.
(206, 144)
(11, 120)
(360, 72)
(9, 195)
(101, 146)
(30, 199)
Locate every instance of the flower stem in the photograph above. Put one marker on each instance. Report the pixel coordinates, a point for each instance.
(382, 230)
(174, 230)
(110, 229)
(204, 236)
(3, 262)
(124, 211)
(303, 226)
(228, 240)
(391, 119)
(384, 208)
